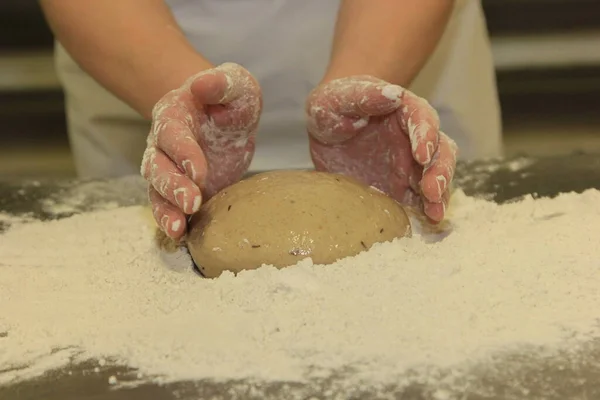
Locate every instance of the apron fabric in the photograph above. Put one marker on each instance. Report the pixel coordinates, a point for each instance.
(286, 45)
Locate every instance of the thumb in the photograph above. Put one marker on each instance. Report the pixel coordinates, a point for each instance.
(359, 96)
(340, 109)
(223, 84)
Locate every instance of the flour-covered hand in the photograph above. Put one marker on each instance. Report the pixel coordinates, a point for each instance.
(385, 136)
(201, 140)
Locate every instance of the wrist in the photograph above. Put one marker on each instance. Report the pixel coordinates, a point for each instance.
(387, 39)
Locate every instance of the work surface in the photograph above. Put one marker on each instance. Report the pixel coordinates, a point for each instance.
(524, 375)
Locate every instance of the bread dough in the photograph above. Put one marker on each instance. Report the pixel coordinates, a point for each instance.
(282, 217)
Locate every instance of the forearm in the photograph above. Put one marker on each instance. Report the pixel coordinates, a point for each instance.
(134, 48)
(389, 39)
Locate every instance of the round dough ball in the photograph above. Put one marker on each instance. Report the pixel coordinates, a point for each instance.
(281, 217)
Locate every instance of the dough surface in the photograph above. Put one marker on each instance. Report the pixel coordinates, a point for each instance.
(282, 217)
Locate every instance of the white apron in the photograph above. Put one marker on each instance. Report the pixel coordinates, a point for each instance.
(286, 46)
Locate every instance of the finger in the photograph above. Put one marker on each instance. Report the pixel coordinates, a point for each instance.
(235, 116)
(401, 191)
(439, 174)
(436, 211)
(403, 165)
(404, 183)
(230, 94)
(170, 183)
(174, 138)
(421, 122)
(340, 109)
(405, 176)
(357, 96)
(209, 87)
(180, 104)
(328, 128)
(412, 198)
(168, 217)
(223, 84)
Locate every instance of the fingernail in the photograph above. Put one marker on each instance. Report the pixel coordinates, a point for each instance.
(197, 203)
(419, 130)
(162, 184)
(164, 222)
(227, 89)
(181, 198)
(424, 160)
(430, 150)
(175, 225)
(392, 92)
(189, 169)
(441, 183)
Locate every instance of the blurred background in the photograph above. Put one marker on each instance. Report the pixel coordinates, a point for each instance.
(547, 55)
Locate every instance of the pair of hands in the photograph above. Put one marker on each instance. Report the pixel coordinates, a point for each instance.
(202, 140)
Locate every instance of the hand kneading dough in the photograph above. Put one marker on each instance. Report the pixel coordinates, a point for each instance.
(282, 217)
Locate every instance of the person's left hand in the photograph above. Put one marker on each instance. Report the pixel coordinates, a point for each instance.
(384, 136)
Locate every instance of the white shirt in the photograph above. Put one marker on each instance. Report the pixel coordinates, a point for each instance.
(286, 45)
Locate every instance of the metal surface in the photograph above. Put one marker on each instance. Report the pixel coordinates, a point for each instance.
(527, 374)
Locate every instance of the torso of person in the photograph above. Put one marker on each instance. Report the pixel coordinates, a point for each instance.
(286, 45)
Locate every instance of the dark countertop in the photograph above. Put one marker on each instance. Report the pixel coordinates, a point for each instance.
(528, 374)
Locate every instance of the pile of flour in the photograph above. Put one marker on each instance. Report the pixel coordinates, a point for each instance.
(96, 286)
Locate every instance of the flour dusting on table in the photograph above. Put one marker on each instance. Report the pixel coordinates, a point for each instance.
(92, 195)
(94, 286)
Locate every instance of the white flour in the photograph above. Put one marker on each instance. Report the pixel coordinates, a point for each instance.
(91, 195)
(479, 174)
(510, 275)
(9, 219)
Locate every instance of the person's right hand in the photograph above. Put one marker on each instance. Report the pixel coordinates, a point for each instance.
(201, 140)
